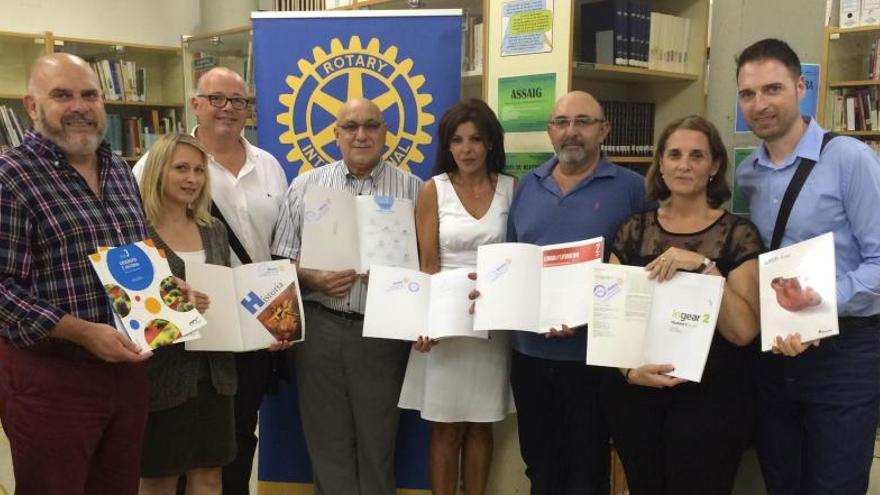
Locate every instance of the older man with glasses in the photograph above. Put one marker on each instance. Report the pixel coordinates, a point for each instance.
(247, 186)
(348, 384)
(578, 194)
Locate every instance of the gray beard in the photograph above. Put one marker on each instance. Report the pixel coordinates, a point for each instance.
(59, 137)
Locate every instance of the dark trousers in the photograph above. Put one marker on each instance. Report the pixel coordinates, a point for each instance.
(680, 441)
(75, 427)
(817, 414)
(253, 370)
(562, 433)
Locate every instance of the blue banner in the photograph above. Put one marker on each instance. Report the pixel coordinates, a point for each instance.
(305, 68)
(306, 65)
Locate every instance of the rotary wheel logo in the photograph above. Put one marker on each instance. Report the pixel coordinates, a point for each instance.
(345, 73)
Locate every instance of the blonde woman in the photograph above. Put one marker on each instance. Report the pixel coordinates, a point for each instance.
(190, 429)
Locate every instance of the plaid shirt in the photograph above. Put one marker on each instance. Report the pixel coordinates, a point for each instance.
(50, 221)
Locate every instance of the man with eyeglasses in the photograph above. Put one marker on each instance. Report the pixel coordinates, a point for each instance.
(348, 384)
(578, 194)
(73, 390)
(247, 186)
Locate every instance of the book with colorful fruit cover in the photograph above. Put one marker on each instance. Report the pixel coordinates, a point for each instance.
(148, 304)
(252, 305)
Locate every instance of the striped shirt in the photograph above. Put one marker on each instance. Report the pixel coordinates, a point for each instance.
(50, 221)
(384, 180)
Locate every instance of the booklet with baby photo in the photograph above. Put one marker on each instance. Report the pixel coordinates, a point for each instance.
(636, 320)
(406, 304)
(341, 231)
(798, 289)
(149, 306)
(534, 288)
(252, 305)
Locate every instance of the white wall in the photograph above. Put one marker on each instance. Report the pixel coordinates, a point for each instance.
(154, 22)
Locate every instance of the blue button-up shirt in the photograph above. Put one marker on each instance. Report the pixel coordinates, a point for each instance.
(841, 195)
(540, 214)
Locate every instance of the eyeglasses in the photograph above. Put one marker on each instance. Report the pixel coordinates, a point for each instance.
(369, 127)
(579, 122)
(219, 101)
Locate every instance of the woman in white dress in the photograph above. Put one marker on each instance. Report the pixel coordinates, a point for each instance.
(462, 384)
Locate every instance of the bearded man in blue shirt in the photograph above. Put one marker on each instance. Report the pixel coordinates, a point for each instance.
(817, 404)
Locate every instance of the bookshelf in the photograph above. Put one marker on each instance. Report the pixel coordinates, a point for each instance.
(674, 93)
(230, 48)
(17, 52)
(849, 83)
(474, 33)
(143, 89)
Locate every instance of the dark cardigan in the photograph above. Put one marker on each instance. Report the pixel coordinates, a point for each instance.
(174, 371)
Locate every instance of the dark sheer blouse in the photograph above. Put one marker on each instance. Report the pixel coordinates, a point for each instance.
(729, 241)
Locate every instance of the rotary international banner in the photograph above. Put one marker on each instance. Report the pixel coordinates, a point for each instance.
(306, 66)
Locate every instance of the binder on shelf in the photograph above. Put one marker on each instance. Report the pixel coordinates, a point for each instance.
(849, 13)
(869, 14)
(605, 36)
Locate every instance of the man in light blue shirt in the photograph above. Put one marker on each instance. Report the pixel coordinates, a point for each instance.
(817, 404)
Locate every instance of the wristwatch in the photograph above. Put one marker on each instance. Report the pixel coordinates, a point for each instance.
(706, 266)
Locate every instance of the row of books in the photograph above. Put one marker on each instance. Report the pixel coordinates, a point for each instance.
(12, 127)
(855, 109)
(874, 145)
(626, 32)
(872, 62)
(121, 80)
(472, 45)
(855, 13)
(132, 136)
(632, 128)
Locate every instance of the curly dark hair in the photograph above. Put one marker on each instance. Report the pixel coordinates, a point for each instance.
(718, 190)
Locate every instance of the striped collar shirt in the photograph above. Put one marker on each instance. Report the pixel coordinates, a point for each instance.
(50, 221)
(385, 180)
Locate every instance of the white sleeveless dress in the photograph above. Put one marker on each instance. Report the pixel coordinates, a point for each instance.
(463, 379)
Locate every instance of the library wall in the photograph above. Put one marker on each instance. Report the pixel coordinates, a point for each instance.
(157, 22)
(735, 25)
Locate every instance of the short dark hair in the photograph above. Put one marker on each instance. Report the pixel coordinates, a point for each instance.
(484, 119)
(770, 49)
(717, 191)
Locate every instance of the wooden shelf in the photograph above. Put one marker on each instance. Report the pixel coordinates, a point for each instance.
(644, 160)
(11, 96)
(851, 84)
(832, 31)
(859, 133)
(143, 104)
(623, 73)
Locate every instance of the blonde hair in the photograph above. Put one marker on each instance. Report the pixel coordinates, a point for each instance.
(152, 182)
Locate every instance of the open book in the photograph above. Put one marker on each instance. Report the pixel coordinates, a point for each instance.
(149, 306)
(798, 291)
(534, 288)
(405, 304)
(638, 321)
(342, 232)
(252, 305)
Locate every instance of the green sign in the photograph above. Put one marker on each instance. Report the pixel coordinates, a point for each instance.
(525, 102)
(739, 205)
(519, 164)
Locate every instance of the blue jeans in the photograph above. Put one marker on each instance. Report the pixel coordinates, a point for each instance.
(817, 413)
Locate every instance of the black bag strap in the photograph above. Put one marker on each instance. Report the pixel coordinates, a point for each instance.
(791, 193)
(234, 243)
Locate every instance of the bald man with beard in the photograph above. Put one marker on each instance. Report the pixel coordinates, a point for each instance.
(348, 385)
(73, 390)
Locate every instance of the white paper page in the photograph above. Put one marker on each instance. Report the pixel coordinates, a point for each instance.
(565, 282)
(508, 278)
(387, 232)
(448, 314)
(622, 297)
(329, 233)
(269, 304)
(683, 318)
(798, 291)
(223, 331)
(397, 303)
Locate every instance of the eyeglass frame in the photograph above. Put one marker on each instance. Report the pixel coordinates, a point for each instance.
(581, 122)
(351, 128)
(226, 99)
